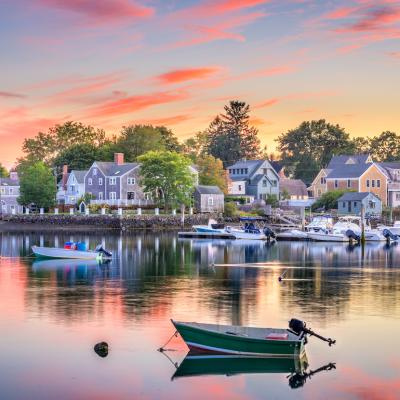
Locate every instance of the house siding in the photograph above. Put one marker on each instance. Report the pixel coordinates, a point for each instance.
(374, 173)
(342, 185)
(95, 188)
(201, 202)
(355, 206)
(136, 188)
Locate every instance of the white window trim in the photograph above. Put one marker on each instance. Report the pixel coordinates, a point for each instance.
(90, 181)
(112, 196)
(131, 180)
(100, 181)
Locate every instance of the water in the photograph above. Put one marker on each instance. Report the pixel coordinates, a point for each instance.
(53, 312)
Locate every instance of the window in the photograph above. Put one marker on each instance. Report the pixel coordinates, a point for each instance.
(367, 182)
(264, 182)
(322, 181)
(336, 183)
(210, 201)
(100, 195)
(113, 181)
(344, 204)
(378, 183)
(230, 171)
(355, 204)
(246, 171)
(240, 188)
(131, 181)
(371, 204)
(131, 195)
(348, 183)
(3, 191)
(373, 182)
(10, 191)
(94, 171)
(100, 181)
(274, 183)
(319, 192)
(113, 195)
(397, 196)
(90, 181)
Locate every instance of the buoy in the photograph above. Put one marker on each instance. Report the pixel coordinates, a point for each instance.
(101, 349)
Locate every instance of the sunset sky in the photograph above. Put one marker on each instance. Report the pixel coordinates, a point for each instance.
(110, 63)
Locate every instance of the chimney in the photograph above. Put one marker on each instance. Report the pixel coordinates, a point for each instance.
(14, 175)
(64, 176)
(119, 158)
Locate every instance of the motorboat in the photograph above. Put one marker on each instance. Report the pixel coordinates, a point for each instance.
(394, 229)
(346, 229)
(212, 227)
(319, 223)
(71, 252)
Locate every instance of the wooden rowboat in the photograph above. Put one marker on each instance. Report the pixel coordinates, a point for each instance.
(55, 252)
(247, 341)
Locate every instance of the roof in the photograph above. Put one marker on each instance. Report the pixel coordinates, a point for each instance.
(388, 169)
(293, 186)
(356, 196)
(9, 182)
(347, 171)
(113, 169)
(348, 159)
(79, 175)
(276, 165)
(251, 165)
(257, 178)
(203, 189)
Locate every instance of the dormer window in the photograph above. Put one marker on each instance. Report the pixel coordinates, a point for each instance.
(94, 171)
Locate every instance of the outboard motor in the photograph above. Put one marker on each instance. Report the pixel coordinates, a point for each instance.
(389, 235)
(269, 233)
(299, 328)
(352, 235)
(102, 250)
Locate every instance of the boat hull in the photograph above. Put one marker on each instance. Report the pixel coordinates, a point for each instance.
(198, 365)
(239, 234)
(198, 338)
(54, 252)
(293, 234)
(327, 237)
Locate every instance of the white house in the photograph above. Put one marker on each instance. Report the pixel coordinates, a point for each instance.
(75, 186)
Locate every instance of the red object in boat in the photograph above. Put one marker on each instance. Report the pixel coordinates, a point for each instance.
(67, 246)
(277, 336)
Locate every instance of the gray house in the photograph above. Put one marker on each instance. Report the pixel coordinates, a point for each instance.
(208, 199)
(9, 193)
(351, 203)
(253, 178)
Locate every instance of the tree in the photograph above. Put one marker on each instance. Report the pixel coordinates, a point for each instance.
(309, 147)
(136, 140)
(361, 145)
(170, 141)
(167, 175)
(47, 146)
(196, 146)
(385, 147)
(37, 186)
(328, 201)
(3, 172)
(211, 172)
(79, 157)
(230, 136)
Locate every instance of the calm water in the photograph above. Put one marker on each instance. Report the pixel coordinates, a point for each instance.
(53, 312)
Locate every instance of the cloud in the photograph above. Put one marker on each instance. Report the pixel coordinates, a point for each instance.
(394, 54)
(173, 120)
(136, 103)
(375, 19)
(101, 11)
(268, 103)
(188, 74)
(12, 95)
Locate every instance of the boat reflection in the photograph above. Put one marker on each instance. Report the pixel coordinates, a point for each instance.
(55, 264)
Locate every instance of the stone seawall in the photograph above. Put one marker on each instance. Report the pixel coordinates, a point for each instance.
(125, 223)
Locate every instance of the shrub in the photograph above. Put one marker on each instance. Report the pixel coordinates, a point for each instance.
(328, 200)
(230, 209)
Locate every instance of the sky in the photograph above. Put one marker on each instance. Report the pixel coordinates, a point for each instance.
(110, 63)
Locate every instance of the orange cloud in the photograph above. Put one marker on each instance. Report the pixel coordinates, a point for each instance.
(182, 75)
(174, 120)
(268, 103)
(132, 104)
(101, 11)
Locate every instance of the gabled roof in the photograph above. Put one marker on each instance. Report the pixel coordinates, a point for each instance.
(257, 178)
(349, 160)
(356, 196)
(348, 171)
(203, 189)
(113, 169)
(251, 165)
(294, 187)
(276, 165)
(388, 169)
(79, 175)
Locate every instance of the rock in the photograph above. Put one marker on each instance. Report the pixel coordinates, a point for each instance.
(101, 349)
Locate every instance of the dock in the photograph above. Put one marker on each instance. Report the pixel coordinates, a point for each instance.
(205, 235)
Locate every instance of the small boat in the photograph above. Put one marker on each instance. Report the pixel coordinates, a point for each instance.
(394, 229)
(56, 252)
(319, 223)
(247, 341)
(346, 229)
(212, 227)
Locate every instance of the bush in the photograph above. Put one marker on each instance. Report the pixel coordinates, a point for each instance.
(95, 208)
(230, 209)
(272, 200)
(328, 200)
(236, 199)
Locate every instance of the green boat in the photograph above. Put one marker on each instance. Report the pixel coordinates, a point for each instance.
(196, 365)
(247, 341)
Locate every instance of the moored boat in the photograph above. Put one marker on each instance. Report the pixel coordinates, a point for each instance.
(248, 341)
(56, 252)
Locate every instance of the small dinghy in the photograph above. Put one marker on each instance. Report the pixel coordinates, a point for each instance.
(247, 341)
(71, 252)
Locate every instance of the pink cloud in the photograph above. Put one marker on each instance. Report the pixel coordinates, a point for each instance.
(340, 13)
(188, 74)
(12, 95)
(173, 120)
(394, 54)
(102, 11)
(374, 19)
(133, 104)
(268, 103)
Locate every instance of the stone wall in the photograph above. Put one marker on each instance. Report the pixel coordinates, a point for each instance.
(126, 223)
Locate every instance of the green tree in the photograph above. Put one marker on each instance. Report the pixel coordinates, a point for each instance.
(309, 147)
(47, 146)
(230, 136)
(328, 200)
(167, 175)
(136, 140)
(361, 145)
(37, 186)
(79, 157)
(195, 147)
(385, 147)
(3, 171)
(211, 172)
(170, 141)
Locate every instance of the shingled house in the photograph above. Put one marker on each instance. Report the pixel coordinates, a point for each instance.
(208, 199)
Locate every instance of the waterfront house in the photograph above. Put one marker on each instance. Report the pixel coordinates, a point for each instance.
(208, 199)
(9, 193)
(392, 172)
(352, 202)
(255, 179)
(318, 186)
(75, 186)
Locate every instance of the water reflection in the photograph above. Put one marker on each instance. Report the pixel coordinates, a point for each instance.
(62, 307)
